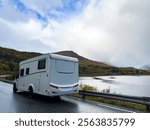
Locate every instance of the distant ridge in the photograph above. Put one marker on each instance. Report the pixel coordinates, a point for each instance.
(146, 67)
(90, 67)
(82, 60)
(10, 58)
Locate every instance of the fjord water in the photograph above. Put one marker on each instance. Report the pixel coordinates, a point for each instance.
(126, 85)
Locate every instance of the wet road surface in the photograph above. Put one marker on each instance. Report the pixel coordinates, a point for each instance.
(21, 103)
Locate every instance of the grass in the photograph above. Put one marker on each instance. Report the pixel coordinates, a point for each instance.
(86, 87)
(6, 78)
(108, 101)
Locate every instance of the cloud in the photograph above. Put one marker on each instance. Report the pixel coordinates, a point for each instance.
(22, 36)
(10, 13)
(112, 31)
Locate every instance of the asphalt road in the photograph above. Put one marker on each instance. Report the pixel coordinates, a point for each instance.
(21, 103)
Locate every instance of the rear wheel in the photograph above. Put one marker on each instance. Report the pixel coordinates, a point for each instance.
(57, 98)
(15, 88)
(31, 92)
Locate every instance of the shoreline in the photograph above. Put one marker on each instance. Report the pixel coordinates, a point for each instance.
(95, 75)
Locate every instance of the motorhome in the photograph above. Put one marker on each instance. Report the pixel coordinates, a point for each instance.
(48, 74)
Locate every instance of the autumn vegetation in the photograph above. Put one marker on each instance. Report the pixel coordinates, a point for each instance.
(9, 64)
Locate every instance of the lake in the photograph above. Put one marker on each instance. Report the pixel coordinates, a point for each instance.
(126, 85)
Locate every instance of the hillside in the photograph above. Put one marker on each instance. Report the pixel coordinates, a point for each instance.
(81, 59)
(87, 66)
(90, 67)
(9, 61)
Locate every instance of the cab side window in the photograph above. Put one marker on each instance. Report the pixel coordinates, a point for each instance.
(22, 72)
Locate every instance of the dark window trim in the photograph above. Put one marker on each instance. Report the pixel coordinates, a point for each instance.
(27, 71)
(43, 62)
(33, 74)
(22, 72)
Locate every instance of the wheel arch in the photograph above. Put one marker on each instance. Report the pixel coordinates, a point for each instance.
(31, 86)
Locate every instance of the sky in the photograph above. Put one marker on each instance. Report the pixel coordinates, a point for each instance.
(116, 32)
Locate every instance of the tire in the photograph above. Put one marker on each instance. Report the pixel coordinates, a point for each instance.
(57, 98)
(15, 88)
(31, 93)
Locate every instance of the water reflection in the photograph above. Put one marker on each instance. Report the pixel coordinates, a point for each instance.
(129, 85)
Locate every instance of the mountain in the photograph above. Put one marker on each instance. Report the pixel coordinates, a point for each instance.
(87, 66)
(90, 67)
(10, 58)
(82, 60)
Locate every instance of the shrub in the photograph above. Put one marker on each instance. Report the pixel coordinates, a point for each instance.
(86, 87)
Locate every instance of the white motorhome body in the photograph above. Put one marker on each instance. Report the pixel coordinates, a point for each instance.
(48, 74)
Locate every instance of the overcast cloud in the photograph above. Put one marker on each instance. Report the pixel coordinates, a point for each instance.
(112, 31)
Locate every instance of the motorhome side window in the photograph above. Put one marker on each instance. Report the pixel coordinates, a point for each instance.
(22, 72)
(41, 64)
(27, 70)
